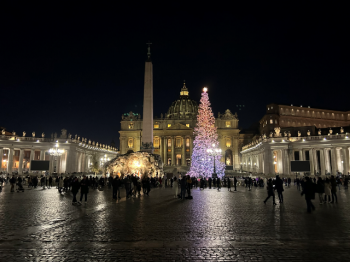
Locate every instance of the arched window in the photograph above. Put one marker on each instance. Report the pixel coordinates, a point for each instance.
(228, 142)
(228, 157)
(156, 125)
(156, 142)
(130, 142)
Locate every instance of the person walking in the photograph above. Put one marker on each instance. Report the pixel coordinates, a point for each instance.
(235, 183)
(148, 186)
(84, 185)
(229, 184)
(75, 190)
(334, 190)
(176, 187)
(189, 186)
(210, 180)
(270, 192)
(279, 188)
(114, 187)
(309, 192)
(13, 182)
(60, 184)
(327, 191)
(320, 189)
(127, 184)
(50, 181)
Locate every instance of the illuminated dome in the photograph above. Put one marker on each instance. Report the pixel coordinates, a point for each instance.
(184, 107)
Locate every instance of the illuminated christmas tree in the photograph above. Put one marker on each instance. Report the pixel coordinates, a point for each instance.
(206, 139)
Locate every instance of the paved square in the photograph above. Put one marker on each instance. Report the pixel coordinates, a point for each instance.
(42, 225)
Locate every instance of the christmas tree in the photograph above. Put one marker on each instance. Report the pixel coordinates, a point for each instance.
(206, 137)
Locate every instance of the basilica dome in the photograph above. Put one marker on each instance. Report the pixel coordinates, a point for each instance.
(184, 107)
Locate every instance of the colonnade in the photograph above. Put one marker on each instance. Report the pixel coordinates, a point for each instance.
(164, 149)
(323, 160)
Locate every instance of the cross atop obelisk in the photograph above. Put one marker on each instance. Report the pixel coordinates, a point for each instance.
(149, 50)
(147, 123)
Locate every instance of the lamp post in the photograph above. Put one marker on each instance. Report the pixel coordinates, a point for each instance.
(214, 152)
(55, 152)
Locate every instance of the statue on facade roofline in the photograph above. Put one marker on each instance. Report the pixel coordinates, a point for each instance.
(308, 132)
(55, 135)
(3, 131)
(271, 134)
(299, 133)
(319, 132)
(289, 134)
(330, 131)
(33, 134)
(277, 131)
(42, 134)
(341, 130)
(24, 133)
(285, 133)
(93, 143)
(76, 136)
(70, 136)
(264, 136)
(13, 133)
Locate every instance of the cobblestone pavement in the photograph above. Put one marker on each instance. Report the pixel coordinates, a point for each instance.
(42, 225)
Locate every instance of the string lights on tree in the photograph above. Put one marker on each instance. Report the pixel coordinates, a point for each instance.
(206, 138)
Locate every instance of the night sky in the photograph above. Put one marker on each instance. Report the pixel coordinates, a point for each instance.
(82, 67)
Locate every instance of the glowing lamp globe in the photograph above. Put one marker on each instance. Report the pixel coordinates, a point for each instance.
(205, 89)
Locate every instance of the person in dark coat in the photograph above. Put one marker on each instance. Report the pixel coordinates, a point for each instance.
(235, 183)
(218, 183)
(210, 180)
(50, 181)
(279, 188)
(183, 187)
(320, 189)
(309, 192)
(334, 190)
(75, 190)
(270, 191)
(228, 184)
(84, 185)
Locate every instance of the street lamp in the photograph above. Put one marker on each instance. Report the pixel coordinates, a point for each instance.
(55, 152)
(214, 152)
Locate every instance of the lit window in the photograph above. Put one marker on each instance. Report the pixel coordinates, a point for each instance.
(169, 142)
(156, 142)
(156, 125)
(228, 123)
(130, 142)
(178, 142)
(228, 142)
(268, 108)
(131, 125)
(188, 125)
(169, 125)
(188, 142)
(271, 121)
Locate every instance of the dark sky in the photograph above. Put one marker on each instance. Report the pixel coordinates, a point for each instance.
(81, 67)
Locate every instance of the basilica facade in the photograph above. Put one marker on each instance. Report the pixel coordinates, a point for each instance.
(173, 134)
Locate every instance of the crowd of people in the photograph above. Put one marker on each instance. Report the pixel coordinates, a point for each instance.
(181, 184)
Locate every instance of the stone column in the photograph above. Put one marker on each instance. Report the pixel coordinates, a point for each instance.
(1, 156)
(323, 162)
(32, 155)
(58, 164)
(165, 156)
(311, 159)
(334, 161)
(20, 162)
(42, 154)
(173, 151)
(161, 146)
(183, 156)
(326, 160)
(346, 163)
(82, 162)
(86, 162)
(191, 147)
(10, 160)
(315, 163)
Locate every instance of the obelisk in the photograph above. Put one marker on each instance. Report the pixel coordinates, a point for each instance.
(147, 123)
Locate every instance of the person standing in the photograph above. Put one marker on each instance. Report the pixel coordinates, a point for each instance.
(183, 188)
(189, 186)
(148, 186)
(60, 184)
(13, 182)
(176, 187)
(327, 191)
(334, 190)
(210, 180)
(50, 181)
(229, 184)
(84, 185)
(114, 187)
(235, 183)
(270, 192)
(320, 189)
(75, 190)
(279, 188)
(309, 192)
(218, 183)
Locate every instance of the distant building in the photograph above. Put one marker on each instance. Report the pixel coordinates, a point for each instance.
(290, 133)
(17, 151)
(173, 134)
